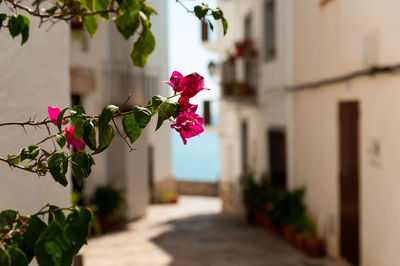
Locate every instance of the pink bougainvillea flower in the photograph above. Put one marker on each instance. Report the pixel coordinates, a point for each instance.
(71, 140)
(53, 114)
(186, 107)
(188, 125)
(191, 85)
(174, 81)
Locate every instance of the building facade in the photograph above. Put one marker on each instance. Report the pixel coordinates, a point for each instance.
(327, 79)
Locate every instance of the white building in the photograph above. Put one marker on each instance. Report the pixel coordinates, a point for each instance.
(31, 78)
(327, 79)
(256, 116)
(104, 61)
(64, 67)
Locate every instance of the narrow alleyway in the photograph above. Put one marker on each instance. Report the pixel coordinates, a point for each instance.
(192, 233)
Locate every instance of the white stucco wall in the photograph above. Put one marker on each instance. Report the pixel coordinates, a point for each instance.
(31, 78)
(331, 41)
(317, 165)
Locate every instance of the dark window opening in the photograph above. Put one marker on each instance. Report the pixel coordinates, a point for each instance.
(277, 157)
(269, 30)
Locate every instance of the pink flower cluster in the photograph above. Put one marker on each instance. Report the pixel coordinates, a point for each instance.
(188, 124)
(69, 133)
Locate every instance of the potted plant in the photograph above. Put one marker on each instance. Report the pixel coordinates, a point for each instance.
(107, 202)
(313, 245)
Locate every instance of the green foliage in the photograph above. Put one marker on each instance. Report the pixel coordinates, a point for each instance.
(24, 237)
(81, 165)
(135, 123)
(144, 45)
(100, 5)
(3, 17)
(106, 199)
(60, 118)
(78, 225)
(58, 165)
(282, 206)
(29, 153)
(61, 140)
(306, 225)
(89, 134)
(166, 110)
(19, 25)
(90, 23)
(203, 11)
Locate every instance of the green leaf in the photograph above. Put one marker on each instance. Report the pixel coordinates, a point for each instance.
(77, 225)
(54, 247)
(143, 46)
(3, 17)
(106, 134)
(211, 26)
(8, 216)
(90, 23)
(78, 132)
(148, 10)
(201, 11)
(107, 114)
(76, 112)
(19, 25)
(35, 227)
(30, 152)
(89, 134)
(58, 165)
(5, 258)
(14, 159)
(157, 100)
(127, 23)
(61, 140)
(17, 256)
(135, 123)
(81, 166)
(52, 10)
(217, 13)
(100, 5)
(15, 25)
(225, 25)
(142, 116)
(165, 111)
(60, 118)
(55, 213)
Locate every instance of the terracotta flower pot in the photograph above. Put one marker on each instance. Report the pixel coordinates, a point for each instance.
(268, 224)
(288, 233)
(314, 247)
(298, 241)
(258, 218)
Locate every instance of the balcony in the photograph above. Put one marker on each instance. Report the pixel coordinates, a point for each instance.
(239, 74)
(121, 81)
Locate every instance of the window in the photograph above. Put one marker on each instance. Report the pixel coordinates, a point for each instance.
(269, 30)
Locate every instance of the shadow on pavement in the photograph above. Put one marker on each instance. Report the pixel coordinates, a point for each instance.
(218, 239)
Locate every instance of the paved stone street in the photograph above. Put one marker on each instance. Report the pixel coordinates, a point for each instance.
(192, 233)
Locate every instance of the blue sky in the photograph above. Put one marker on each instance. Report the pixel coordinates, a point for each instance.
(199, 159)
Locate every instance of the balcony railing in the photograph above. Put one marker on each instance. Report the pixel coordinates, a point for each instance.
(239, 79)
(121, 82)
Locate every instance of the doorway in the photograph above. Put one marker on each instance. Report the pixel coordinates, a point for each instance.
(349, 182)
(277, 157)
